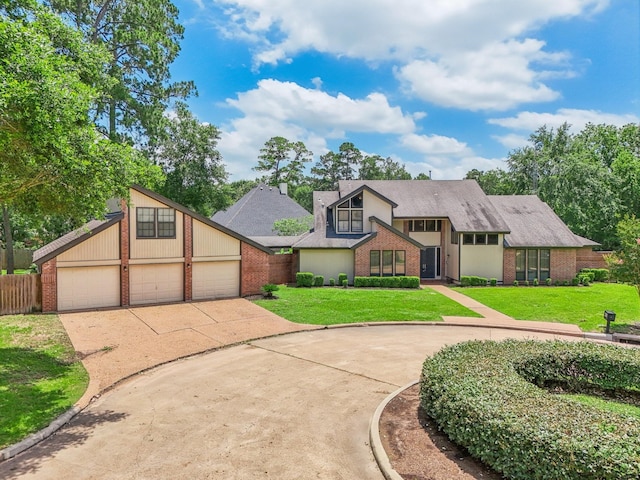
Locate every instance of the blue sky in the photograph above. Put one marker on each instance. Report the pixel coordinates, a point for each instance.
(439, 85)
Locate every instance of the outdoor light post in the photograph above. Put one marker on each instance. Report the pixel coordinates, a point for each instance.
(609, 316)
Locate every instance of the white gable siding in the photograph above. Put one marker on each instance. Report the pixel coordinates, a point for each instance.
(209, 242)
(375, 207)
(99, 247)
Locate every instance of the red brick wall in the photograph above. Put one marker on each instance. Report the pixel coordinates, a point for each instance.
(124, 256)
(49, 279)
(188, 256)
(387, 240)
(254, 271)
(587, 258)
(563, 264)
(282, 268)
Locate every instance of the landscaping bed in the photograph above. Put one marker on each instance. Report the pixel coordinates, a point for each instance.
(494, 400)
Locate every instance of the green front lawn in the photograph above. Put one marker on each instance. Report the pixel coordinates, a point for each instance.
(335, 305)
(40, 377)
(581, 306)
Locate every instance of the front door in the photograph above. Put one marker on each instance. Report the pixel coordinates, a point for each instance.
(430, 263)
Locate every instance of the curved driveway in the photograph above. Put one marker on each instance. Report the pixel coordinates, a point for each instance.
(295, 406)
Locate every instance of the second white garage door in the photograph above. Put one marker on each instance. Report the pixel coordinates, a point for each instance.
(216, 280)
(88, 287)
(156, 283)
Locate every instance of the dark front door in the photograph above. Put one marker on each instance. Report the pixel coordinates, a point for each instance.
(430, 263)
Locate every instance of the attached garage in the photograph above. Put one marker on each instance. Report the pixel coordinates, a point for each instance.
(156, 283)
(216, 279)
(88, 287)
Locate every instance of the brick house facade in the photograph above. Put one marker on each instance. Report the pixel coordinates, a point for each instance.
(387, 239)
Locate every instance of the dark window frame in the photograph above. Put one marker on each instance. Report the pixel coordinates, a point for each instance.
(153, 224)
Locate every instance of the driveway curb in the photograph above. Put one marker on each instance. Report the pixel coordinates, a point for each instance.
(374, 436)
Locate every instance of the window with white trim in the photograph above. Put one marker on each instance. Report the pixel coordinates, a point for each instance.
(425, 225)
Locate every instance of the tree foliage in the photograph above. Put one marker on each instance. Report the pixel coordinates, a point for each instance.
(293, 226)
(375, 167)
(52, 158)
(591, 179)
(624, 263)
(187, 152)
(284, 161)
(142, 38)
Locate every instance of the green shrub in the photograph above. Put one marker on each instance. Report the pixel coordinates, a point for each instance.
(492, 399)
(557, 283)
(565, 283)
(535, 282)
(268, 289)
(304, 279)
(345, 283)
(526, 283)
(465, 281)
(341, 278)
(332, 282)
(493, 282)
(548, 282)
(472, 281)
(387, 282)
(596, 274)
(516, 283)
(318, 281)
(575, 281)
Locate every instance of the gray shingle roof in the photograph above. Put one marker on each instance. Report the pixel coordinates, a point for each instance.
(462, 201)
(534, 224)
(253, 215)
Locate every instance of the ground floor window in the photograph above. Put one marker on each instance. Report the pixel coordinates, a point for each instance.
(533, 264)
(387, 263)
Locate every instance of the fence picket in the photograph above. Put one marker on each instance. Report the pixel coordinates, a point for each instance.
(20, 294)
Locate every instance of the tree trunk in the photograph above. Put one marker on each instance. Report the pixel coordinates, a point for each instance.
(8, 239)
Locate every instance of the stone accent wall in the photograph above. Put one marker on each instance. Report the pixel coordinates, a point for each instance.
(188, 257)
(124, 256)
(586, 257)
(387, 240)
(49, 279)
(254, 271)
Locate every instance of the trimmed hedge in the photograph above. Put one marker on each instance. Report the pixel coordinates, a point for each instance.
(387, 282)
(596, 274)
(342, 277)
(304, 279)
(318, 281)
(472, 281)
(488, 397)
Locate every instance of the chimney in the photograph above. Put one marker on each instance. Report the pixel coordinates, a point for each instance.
(283, 189)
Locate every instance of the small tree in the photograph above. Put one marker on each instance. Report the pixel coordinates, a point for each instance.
(293, 226)
(624, 263)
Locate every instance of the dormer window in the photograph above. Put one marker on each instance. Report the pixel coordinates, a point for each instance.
(350, 215)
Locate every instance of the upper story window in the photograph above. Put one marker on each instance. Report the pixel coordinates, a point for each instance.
(155, 222)
(350, 215)
(425, 225)
(480, 239)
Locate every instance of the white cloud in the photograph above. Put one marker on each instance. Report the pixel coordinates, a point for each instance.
(286, 109)
(385, 29)
(497, 77)
(512, 140)
(443, 168)
(435, 145)
(531, 121)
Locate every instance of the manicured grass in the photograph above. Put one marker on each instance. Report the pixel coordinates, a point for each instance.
(581, 306)
(334, 305)
(40, 376)
(606, 405)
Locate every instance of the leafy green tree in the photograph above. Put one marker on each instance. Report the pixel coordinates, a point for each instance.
(333, 167)
(284, 161)
(624, 263)
(293, 226)
(422, 176)
(52, 159)
(492, 182)
(187, 152)
(375, 167)
(142, 37)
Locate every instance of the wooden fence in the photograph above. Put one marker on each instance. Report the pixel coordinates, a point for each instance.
(20, 294)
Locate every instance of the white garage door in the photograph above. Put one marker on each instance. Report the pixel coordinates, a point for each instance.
(216, 280)
(88, 287)
(156, 283)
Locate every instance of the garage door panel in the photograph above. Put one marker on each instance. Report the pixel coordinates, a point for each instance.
(88, 287)
(156, 283)
(216, 280)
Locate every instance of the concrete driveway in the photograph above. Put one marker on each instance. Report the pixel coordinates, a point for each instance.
(295, 406)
